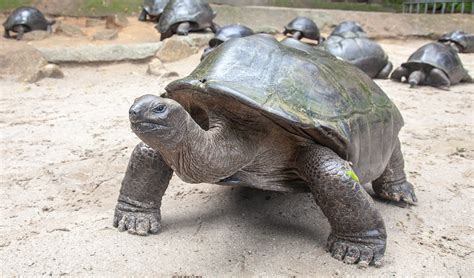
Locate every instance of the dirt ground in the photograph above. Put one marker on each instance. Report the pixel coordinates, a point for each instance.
(65, 145)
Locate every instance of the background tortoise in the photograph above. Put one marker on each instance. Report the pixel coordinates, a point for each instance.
(347, 26)
(303, 27)
(360, 51)
(241, 118)
(433, 64)
(181, 16)
(225, 33)
(459, 40)
(152, 9)
(26, 19)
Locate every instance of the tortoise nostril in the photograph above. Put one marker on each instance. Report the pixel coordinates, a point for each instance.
(133, 113)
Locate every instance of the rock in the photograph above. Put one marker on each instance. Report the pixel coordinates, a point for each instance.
(52, 71)
(94, 22)
(36, 35)
(100, 53)
(69, 30)
(197, 39)
(174, 49)
(21, 60)
(156, 67)
(105, 35)
(116, 21)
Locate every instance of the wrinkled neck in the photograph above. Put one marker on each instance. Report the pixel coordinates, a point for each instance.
(210, 155)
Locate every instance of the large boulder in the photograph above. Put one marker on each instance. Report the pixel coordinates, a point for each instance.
(174, 49)
(20, 60)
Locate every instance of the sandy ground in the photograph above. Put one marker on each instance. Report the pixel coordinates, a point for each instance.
(65, 145)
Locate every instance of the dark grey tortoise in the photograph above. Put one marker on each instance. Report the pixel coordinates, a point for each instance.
(303, 27)
(26, 19)
(434, 64)
(260, 114)
(347, 26)
(360, 51)
(152, 9)
(182, 16)
(461, 41)
(226, 33)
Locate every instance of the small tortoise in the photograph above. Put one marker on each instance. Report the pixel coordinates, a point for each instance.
(303, 27)
(242, 118)
(152, 9)
(181, 16)
(347, 26)
(360, 51)
(226, 33)
(433, 64)
(26, 19)
(459, 40)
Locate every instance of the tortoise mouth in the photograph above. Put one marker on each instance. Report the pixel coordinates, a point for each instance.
(147, 127)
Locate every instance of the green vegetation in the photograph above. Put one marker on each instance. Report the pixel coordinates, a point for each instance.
(6, 5)
(101, 7)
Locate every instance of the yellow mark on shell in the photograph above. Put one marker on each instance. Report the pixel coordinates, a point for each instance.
(353, 175)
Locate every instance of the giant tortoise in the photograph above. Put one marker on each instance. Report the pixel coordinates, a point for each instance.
(181, 16)
(257, 113)
(152, 9)
(26, 19)
(459, 40)
(433, 64)
(357, 49)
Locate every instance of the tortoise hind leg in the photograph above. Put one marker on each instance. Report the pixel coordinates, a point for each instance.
(438, 78)
(385, 72)
(399, 73)
(183, 28)
(392, 184)
(357, 229)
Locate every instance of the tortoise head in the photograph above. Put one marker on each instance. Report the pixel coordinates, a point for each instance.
(159, 122)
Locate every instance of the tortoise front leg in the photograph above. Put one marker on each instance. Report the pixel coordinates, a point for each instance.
(385, 72)
(183, 28)
(297, 35)
(142, 16)
(144, 184)
(20, 32)
(214, 27)
(358, 231)
(6, 34)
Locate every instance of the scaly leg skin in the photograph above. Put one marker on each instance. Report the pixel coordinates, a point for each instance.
(358, 231)
(297, 35)
(20, 32)
(392, 184)
(385, 72)
(144, 184)
(142, 16)
(183, 29)
(417, 77)
(214, 27)
(399, 73)
(438, 78)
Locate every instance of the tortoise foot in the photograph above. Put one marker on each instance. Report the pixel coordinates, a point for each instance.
(136, 220)
(363, 250)
(402, 193)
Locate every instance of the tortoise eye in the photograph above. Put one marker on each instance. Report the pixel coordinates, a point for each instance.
(160, 108)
